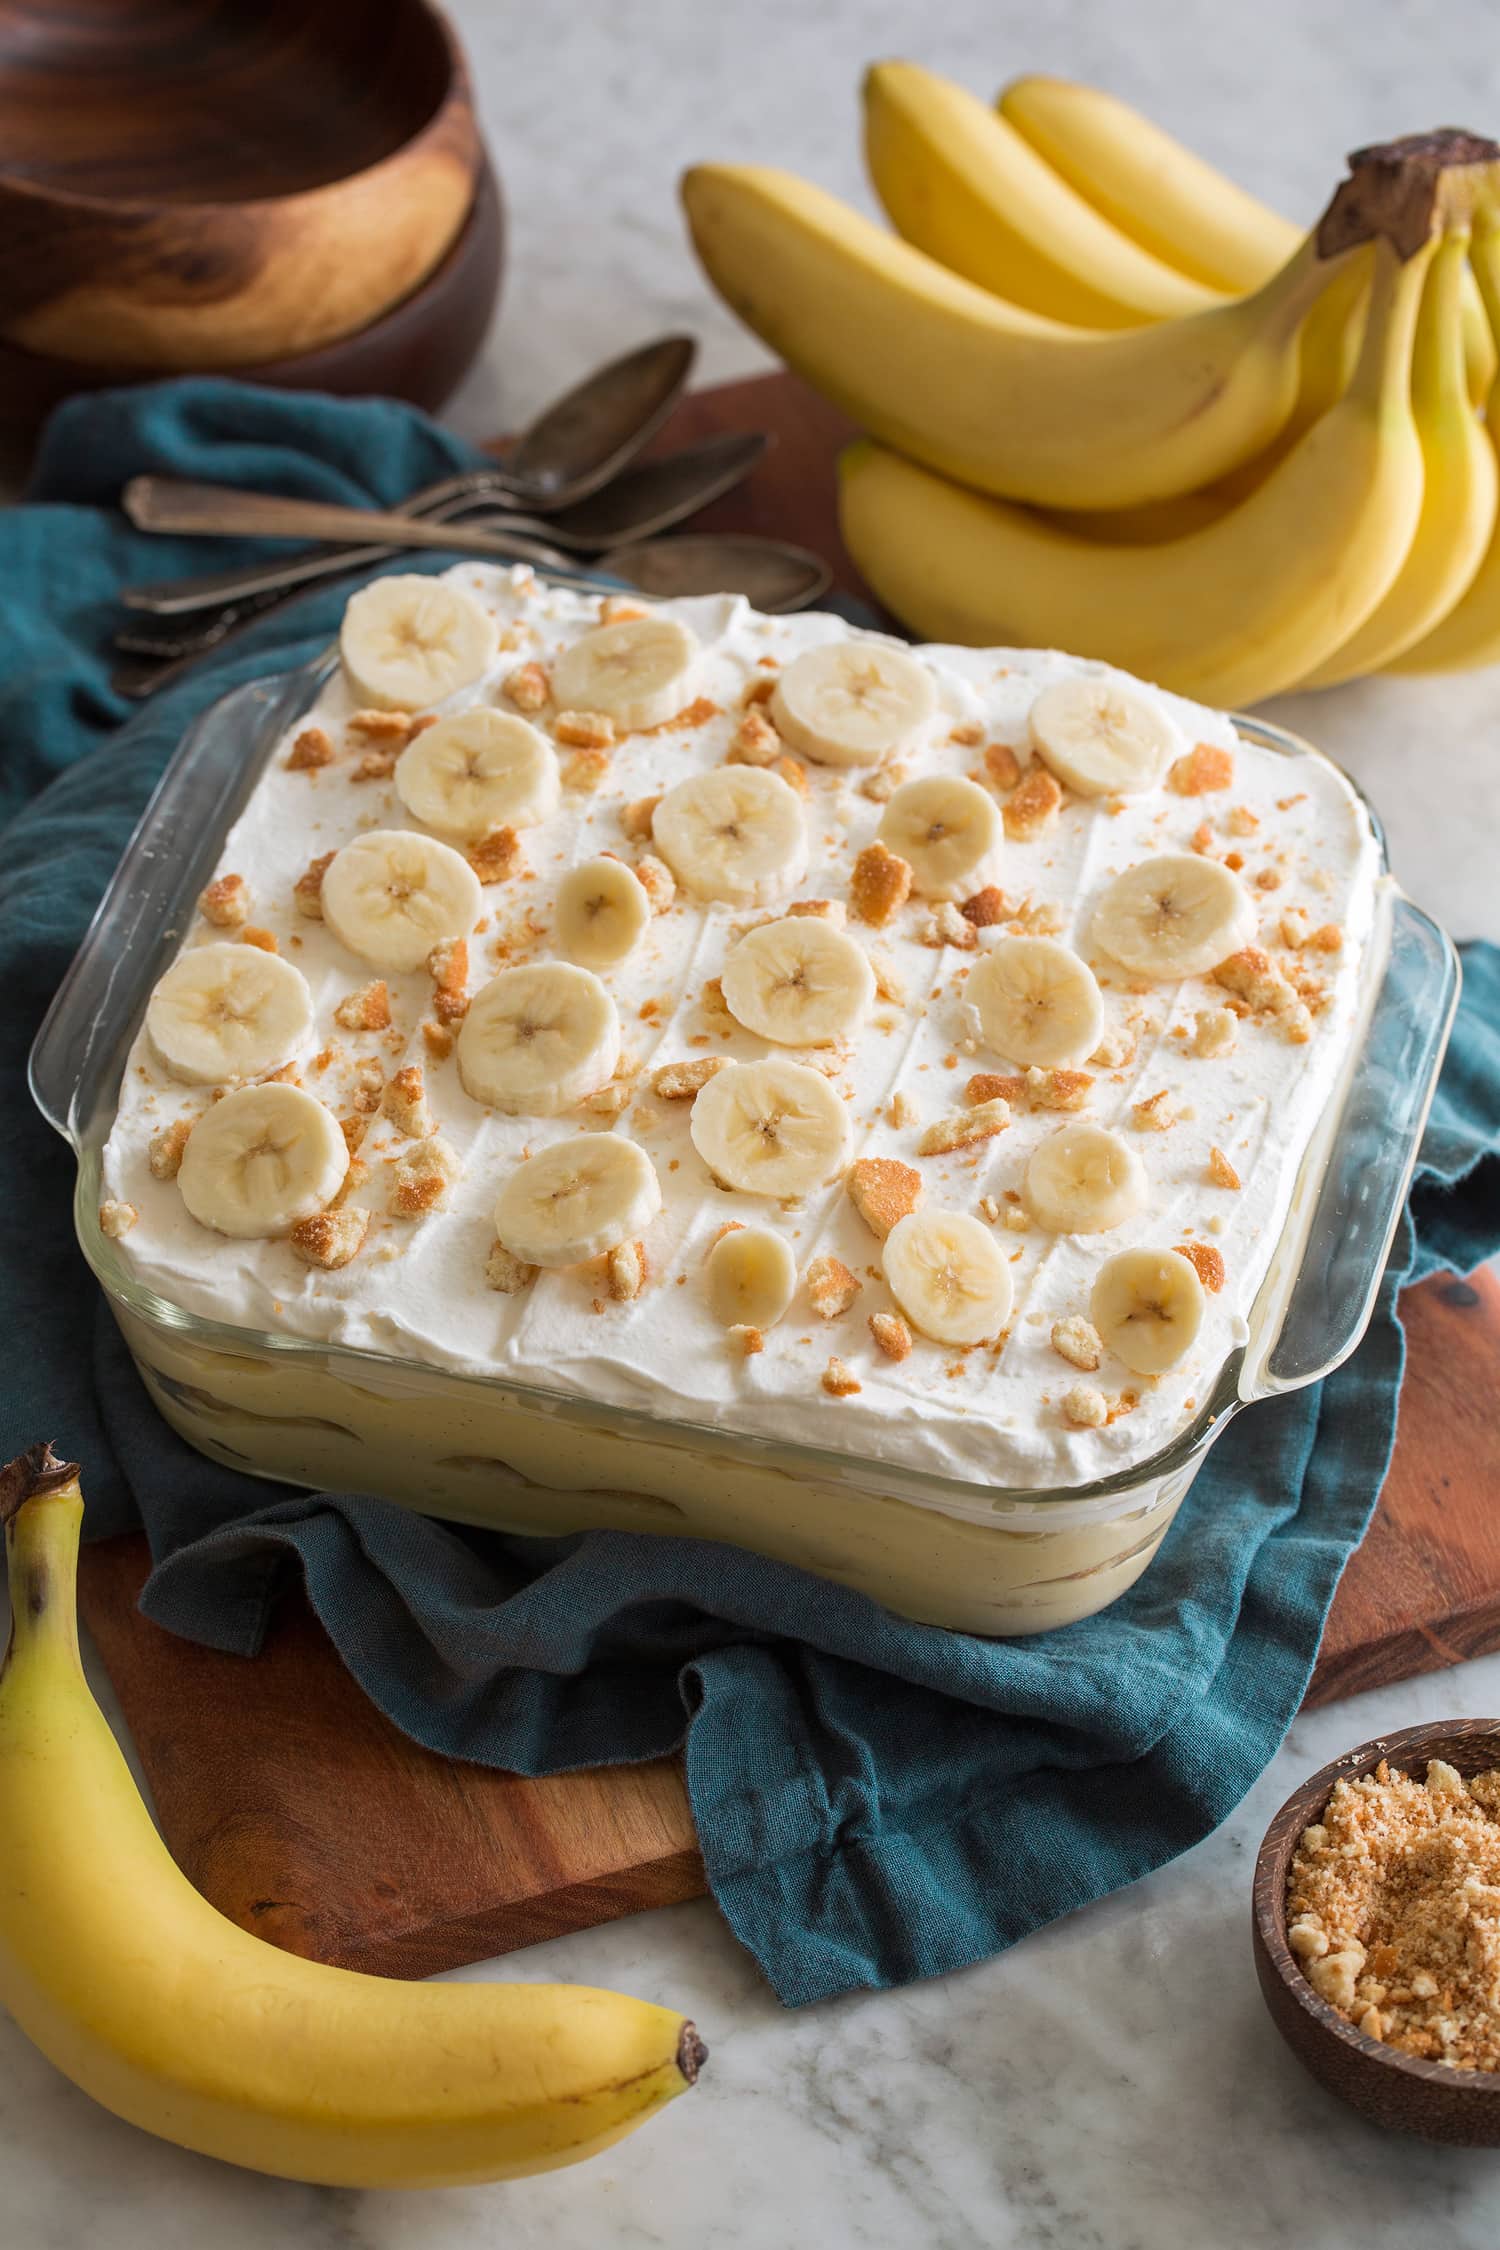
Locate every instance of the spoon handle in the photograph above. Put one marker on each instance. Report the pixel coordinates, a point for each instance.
(223, 511)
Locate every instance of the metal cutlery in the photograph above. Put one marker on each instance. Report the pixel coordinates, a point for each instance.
(642, 501)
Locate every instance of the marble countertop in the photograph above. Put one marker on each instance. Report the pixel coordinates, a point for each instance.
(1113, 2083)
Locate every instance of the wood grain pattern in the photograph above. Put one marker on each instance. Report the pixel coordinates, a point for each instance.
(1399, 2092)
(298, 1808)
(420, 350)
(189, 186)
(306, 1816)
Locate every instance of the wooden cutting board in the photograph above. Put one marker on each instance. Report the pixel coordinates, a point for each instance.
(303, 1813)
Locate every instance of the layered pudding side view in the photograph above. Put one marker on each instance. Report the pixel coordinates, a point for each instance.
(907, 1054)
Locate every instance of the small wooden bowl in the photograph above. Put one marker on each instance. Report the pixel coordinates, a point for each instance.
(420, 350)
(189, 186)
(1399, 2092)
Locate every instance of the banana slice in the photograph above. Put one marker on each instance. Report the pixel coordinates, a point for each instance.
(853, 703)
(752, 1277)
(1084, 1179)
(260, 1160)
(577, 1199)
(392, 895)
(1099, 739)
(228, 1011)
(479, 770)
(1147, 1306)
(947, 830)
(639, 673)
(798, 981)
(602, 911)
(949, 1276)
(408, 642)
(1037, 1001)
(538, 1039)
(735, 833)
(1179, 915)
(770, 1128)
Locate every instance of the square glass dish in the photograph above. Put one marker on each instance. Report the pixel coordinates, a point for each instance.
(490, 1450)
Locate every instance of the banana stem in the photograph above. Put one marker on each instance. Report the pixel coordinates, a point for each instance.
(1437, 372)
(41, 1507)
(1382, 373)
(1484, 256)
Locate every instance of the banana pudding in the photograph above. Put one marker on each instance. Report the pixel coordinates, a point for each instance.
(896, 1063)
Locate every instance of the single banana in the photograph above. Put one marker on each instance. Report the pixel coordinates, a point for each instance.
(639, 673)
(854, 702)
(1101, 739)
(602, 913)
(1037, 1002)
(189, 2027)
(228, 1011)
(1470, 633)
(577, 1199)
(538, 1038)
(751, 1276)
(960, 183)
(1084, 1179)
(260, 1160)
(1459, 488)
(948, 1274)
(480, 769)
(408, 642)
(770, 1128)
(1148, 1307)
(799, 982)
(1183, 210)
(949, 832)
(981, 390)
(1239, 610)
(1156, 192)
(392, 895)
(735, 834)
(1176, 915)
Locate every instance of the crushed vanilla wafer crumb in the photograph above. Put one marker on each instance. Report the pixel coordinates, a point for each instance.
(1393, 1910)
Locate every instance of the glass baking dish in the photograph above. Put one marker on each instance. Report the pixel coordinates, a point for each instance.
(484, 1450)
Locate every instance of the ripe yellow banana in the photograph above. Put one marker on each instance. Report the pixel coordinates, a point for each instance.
(1469, 635)
(1164, 197)
(1183, 209)
(181, 2022)
(1230, 613)
(1459, 486)
(964, 186)
(1000, 398)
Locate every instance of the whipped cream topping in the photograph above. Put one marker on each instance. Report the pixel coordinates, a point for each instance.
(988, 1416)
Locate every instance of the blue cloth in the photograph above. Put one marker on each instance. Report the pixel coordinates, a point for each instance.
(877, 1801)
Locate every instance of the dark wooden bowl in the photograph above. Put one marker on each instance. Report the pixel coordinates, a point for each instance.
(191, 185)
(420, 350)
(1399, 2092)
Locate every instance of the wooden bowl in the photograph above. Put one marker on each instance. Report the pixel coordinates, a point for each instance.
(186, 185)
(420, 350)
(1399, 2092)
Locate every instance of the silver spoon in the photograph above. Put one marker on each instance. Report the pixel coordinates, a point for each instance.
(575, 446)
(642, 501)
(224, 511)
(771, 574)
(777, 577)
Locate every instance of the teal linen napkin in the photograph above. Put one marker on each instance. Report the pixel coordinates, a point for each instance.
(877, 1801)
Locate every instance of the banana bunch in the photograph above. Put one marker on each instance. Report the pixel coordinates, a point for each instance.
(1115, 405)
(186, 2025)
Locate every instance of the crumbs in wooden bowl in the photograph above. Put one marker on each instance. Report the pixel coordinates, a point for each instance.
(1393, 1910)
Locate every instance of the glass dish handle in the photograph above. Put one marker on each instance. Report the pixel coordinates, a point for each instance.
(79, 1053)
(1369, 1167)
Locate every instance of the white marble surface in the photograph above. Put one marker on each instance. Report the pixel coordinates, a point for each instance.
(1114, 2083)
